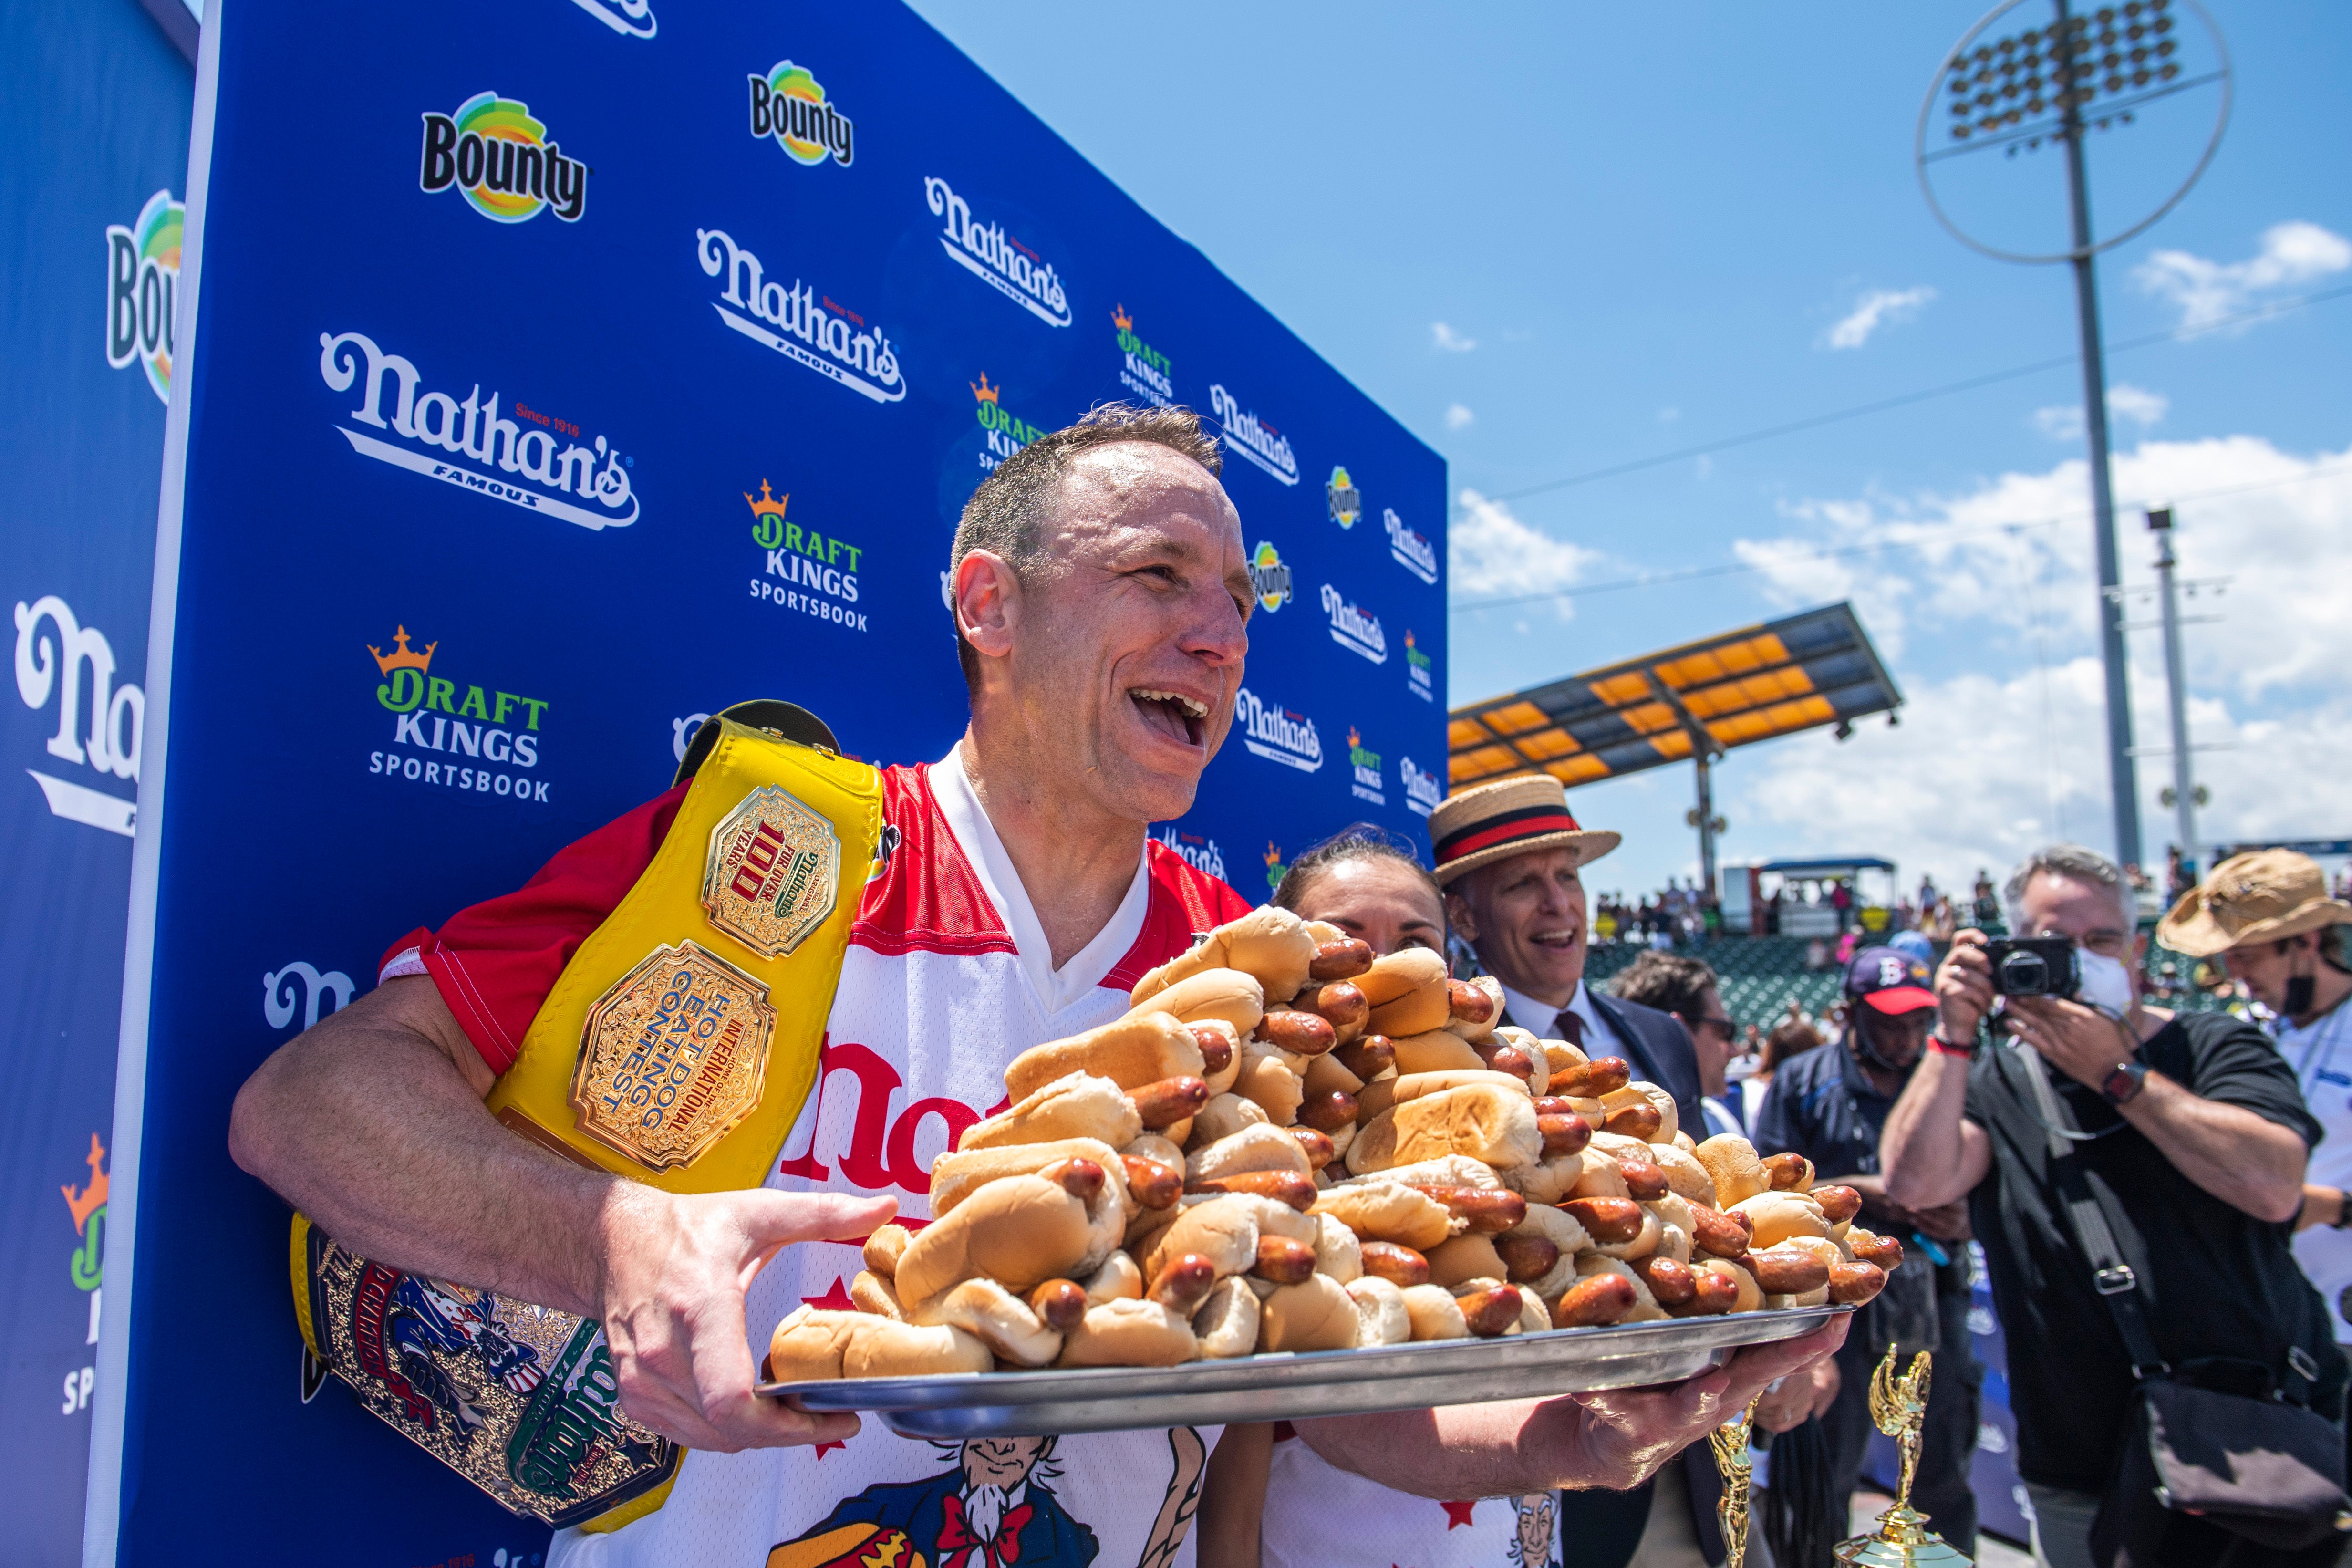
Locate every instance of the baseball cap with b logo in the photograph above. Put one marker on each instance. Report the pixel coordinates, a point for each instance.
(1890, 980)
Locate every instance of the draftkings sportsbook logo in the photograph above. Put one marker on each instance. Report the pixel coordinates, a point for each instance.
(442, 735)
(1423, 791)
(1411, 552)
(1276, 734)
(500, 159)
(1353, 627)
(142, 290)
(790, 105)
(1269, 576)
(806, 571)
(1007, 432)
(1365, 783)
(1143, 370)
(996, 258)
(1253, 438)
(1417, 679)
(1345, 501)
(1201, 854)
(810, 329)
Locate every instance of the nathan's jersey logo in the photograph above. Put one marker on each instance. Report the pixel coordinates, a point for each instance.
(1276, 734)
(1253, 438)
(1417, 679)
(544, 468)
(1345, 501)
(500, 159)
(435, 724)
(1143, 370)
(630, 18)
(810, 329)
(1413, 552)
(1007, 432)
(996, 258)
(806, 571)
(142, 290)
(1354, 628)
(1365, 783)
(1423, 791)
(1201, 854)
(1269, 577)
(789, 105)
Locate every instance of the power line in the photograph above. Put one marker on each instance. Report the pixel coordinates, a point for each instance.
(1970, 384)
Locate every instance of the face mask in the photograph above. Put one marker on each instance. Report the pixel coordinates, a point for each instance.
(2106, 984)
(2300, 989)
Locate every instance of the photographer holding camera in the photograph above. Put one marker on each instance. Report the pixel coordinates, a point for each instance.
(2133, 1176)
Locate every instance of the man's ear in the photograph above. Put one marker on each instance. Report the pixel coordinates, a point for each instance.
(1459, 919)
(987, 603)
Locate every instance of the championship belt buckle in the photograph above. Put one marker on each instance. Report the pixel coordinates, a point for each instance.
(673, 1056)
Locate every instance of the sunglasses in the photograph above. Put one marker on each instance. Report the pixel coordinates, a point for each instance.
(1726, 1028)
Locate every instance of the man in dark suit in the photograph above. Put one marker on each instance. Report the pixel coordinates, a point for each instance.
(1508, 856)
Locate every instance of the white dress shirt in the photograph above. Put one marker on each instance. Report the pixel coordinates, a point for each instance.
(1538, 1018)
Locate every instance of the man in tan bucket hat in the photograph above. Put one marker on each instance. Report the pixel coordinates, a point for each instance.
(2267, 917)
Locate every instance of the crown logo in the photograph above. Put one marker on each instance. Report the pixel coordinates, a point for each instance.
(402, 656)
(1408, 636)
(1354, 739)
(985, 393)
(770, 504)
(1120, 318)
(84, 1203)
(1273, 854)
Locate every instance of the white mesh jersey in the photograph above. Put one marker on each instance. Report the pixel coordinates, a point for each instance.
(948, 978)
(1317, 1515)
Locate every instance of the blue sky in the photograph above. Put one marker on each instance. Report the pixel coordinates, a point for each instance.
(1553, 239)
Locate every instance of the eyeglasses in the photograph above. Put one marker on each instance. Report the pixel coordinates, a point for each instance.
(1727, 1028)
(2106, 941)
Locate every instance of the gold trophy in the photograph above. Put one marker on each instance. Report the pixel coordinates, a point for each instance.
(1899, 1407)
(1729, 1442)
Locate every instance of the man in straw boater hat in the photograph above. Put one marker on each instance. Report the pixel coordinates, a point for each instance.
(2267, 917)
(1508, 856)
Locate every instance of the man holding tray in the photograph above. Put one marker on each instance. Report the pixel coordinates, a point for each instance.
(1101, 606)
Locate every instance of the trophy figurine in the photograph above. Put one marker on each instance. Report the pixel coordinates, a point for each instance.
(1729, 1442)
(1898, 1405)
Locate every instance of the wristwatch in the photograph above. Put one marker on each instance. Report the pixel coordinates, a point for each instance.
(1936, 1042)
(2123, 1083)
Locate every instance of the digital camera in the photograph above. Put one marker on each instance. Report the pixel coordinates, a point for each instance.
(2034, 966)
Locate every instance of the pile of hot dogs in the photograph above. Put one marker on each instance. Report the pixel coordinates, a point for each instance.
(1289, 1145)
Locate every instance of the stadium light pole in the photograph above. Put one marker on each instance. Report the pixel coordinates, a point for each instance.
(2176, 680)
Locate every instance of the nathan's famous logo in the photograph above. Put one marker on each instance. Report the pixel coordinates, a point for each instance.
(1252, 437)
(1202, 854)
(142, 290)
(1269, 578)
(429, 716)
(86, 1264)
(803, 559)
(101, 725)
(789, 105)
(1416, 669)
(1353, 627)
(1346, 501)
(500, 159)
(1007, 432)
(1413, 552)
(1274, 869)
(630, 18)
(810, 329)
(1366, 784)
(1276, 734)
(1144, 370)
(1423, 791)
(996, 258)
(474, 430)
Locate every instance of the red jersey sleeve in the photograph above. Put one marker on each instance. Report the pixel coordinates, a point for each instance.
(496, 961)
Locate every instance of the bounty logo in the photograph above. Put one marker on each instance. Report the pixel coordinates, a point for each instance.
(1201, 854)
(1423, 791)
(996, 258)
(1411, 552)
(630, 18)
(1417, 669)
(1145, 372)
(499, 158)
(803, 559)
(1269, 577)
(1007, 432)
(812, 330)
(1346, 501)
(433, 727)
(142, 290)
(790, 105)
(473, 430)
(1253, 438)
(1352, 628)
(1276, 734)
(1366, 784)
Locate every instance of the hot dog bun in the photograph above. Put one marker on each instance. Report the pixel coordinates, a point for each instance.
(1464, 1257)
(1226, 994)
(1270, 945)
(1225, 1229)
(1548, 1181)
(1777, 1216)
(1315, 1314)
(1076, 1105)
(1738, 1174)
(1133, 1051)
(996, 1317)
(1474, 1031)
(1260, 1147)
(1386, 1211)
(1491, 1124)
(1226, 1324)
(1433, 1051)
(1433, 1314)
(956, 1177)
(1129, 1332)
(1269, 1080)
(1380, 1317)
(812, 1345)
(1018, 1231)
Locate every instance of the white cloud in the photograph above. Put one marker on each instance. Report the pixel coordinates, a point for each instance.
(1491, 551)
(1879, 308)
(2207, 290)
(1452, 341)
(2064, 421)
(1456, 417)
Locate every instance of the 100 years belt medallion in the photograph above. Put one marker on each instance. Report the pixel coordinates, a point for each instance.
(673, 1056)
(772, 872)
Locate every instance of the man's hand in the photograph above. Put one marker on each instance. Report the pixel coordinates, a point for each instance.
(1630, 1433)
(2321, 1206)
(2081, 1042)
(1945, 1222)
(1964, 991)
(1800, 1396)
(675, 1273)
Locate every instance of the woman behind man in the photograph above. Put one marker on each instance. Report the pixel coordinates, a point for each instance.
(1269, 1499)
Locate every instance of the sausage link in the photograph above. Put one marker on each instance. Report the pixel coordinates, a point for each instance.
(1641, 1122)
(1342, 1003)
(1837, 1202)
(1850, 1284)
(1789, 1172)
(1282, 1186)
(1082, 1179)
(1554, 1105)
(1152, 1185)
(1367, 1056)
(1591, 1302)
(1490, 1211)
(1328, 1113)
(1293, 1030)
(1467, 1002)
(1670, 1281)
(1183, 1283)
(1399, 1264)
(1510, 1059)
(1720, 1235)
(1490, 1312)
(1283, 1261)
(1059, 1304)
(1711, 1294)
(1342, 959)
(1606, 1076)
(1320, 1149)
(1563, 1134)
(1872, 1248)
(1608, 1221)
(1644, 1182)
(1216, 1047)
(1788, 1270)
(1169, 1101)
(1527, 1258)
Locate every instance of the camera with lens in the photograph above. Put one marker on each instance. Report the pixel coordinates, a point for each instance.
(2034, 966)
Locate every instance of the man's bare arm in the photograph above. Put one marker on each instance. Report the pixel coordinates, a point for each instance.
(1928, 1152)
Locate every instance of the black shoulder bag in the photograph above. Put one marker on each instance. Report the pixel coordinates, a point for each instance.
(2206, 1475)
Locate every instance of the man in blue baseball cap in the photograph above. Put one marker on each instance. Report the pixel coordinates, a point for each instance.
(1828, 1106)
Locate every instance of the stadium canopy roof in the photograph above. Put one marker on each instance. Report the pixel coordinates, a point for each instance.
(1821, 868)
(1758, 683)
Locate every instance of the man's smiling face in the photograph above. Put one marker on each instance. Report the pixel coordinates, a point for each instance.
(1525, 916)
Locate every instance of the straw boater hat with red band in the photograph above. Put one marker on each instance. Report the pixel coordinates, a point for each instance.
(1486, 823)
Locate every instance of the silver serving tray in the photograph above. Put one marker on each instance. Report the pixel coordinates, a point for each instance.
(1294, 1387)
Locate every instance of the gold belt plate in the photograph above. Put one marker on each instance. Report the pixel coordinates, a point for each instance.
(772, 873)
(673, 1056)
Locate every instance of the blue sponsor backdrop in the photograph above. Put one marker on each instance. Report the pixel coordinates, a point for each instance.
(93, 147)
(563, 373)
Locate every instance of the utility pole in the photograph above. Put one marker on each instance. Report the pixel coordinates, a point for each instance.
(1705, 815)
(2184, 787)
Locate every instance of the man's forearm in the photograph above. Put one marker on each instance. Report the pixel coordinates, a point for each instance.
(2252, 1164)
(1920, 1153)
(1461, 1450)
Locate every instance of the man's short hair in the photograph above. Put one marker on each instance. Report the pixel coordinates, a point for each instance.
(1004, 515)
(1666, 981)
(2067, 861)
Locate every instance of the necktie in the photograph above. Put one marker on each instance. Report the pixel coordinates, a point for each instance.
(1569, 1026)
